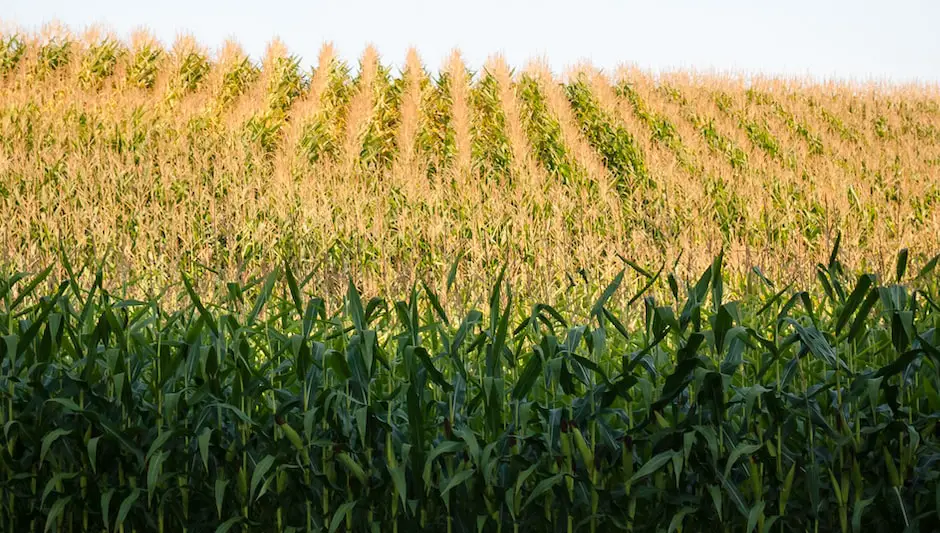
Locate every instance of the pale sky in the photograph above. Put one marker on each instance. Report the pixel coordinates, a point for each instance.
(860, 39)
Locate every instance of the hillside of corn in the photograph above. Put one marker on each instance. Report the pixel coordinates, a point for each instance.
(243, 296)
(149, 159)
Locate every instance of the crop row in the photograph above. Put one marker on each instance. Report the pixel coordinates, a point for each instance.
(266, 410)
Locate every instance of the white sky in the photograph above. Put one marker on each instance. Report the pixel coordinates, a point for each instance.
(861, 39)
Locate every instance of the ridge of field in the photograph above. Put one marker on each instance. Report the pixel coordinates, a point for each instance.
(157, 159)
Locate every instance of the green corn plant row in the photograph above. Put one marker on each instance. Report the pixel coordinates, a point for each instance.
(836, 124)
(53, 55)
(813, 142)
(661, 129)
(436, 140)
(12, 49)
(716, 142)
(544, 131)
(730, 208)
(756, 132)
(192, 71)
(286, 83)
(490, 145)
(611, 140)
(142, 71)
(236, 80)
(319, 139)
(264, 411)
(100, 61)
(379, 144)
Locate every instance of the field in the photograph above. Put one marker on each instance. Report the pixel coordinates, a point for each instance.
(161, 159)
(262, 297)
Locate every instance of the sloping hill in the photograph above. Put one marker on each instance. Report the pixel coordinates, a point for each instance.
(165, 157)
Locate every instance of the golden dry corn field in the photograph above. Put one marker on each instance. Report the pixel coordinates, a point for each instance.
(160, 158)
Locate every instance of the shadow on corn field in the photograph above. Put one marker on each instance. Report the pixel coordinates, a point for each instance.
(264, 412)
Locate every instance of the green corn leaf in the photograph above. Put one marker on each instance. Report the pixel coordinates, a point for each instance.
(154, 469)
(106, 505)
(753, 516)
(158, 443)
(126, 507)
(259, 302)
(29, 288)
(294, 289)
(817, 344)
(653, 465)
(220, 485)
(542, 487)
(928, 267)
(735, 495)
(53, 482)
(340, 515)
(530, 373)
(56, 511)
(858, 325)
(260, 470)
(435, 303)
(228, 524)
(458, 479)
(608, 292)
(209, 320)
(858, 512)
(676, 523)
(203, 442)
(398, 478)
(356, 311)
(901, 267)
(741, 449)
(47, 441)
(92, 448)
(433, 372)
(715, 492)
(857, 296)
(452, 273)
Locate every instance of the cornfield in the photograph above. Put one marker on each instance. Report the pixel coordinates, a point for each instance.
(240, 296)
(160, 159)
(264, 412)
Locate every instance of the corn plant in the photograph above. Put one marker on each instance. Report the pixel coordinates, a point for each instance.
(436, 140)
(378, 145)
(192, 69)
(264, 411)
(615, 144)
(142, 71)
(813, 142)
(237, 79)
(718, 143)
(286, 83)
(53, 55)
(319, 137)
(662, 130)
(491, 147)
(99, 62)
(544, 131)
(12, 49)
